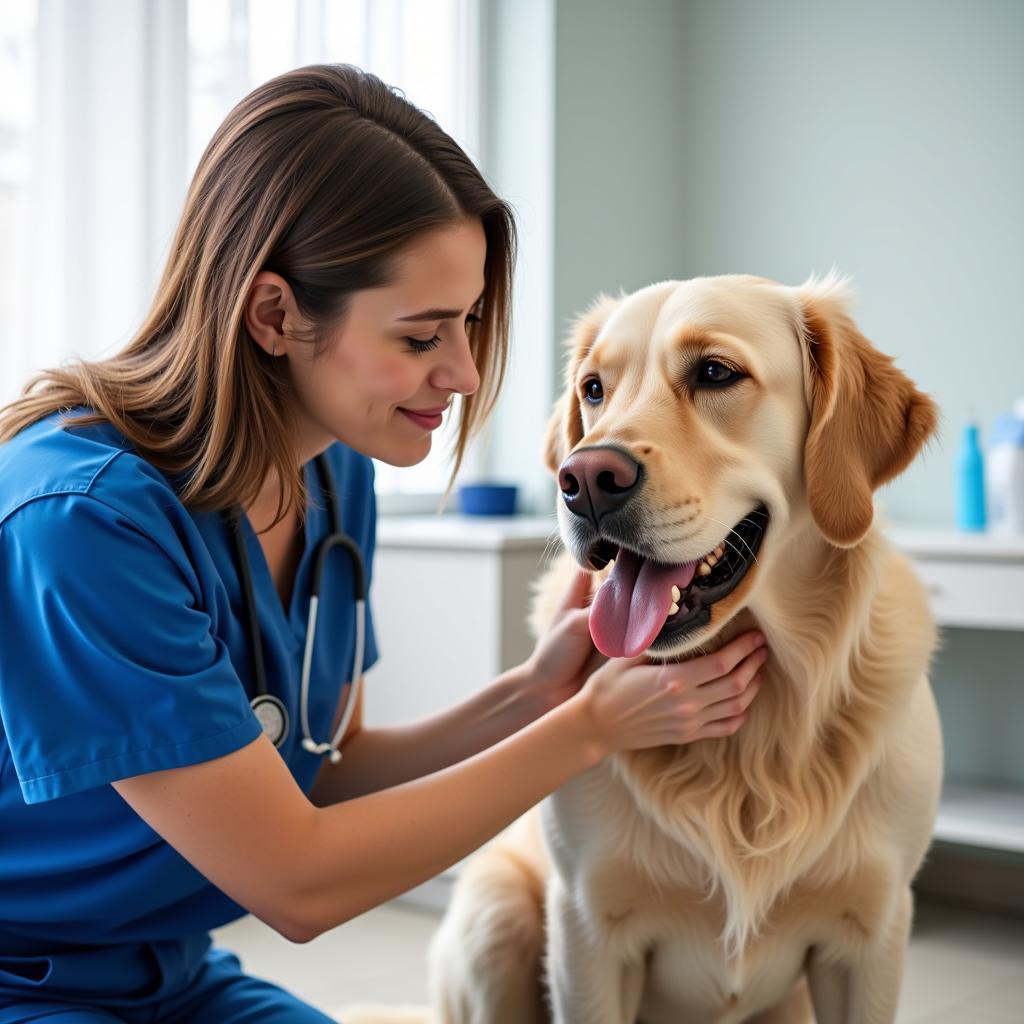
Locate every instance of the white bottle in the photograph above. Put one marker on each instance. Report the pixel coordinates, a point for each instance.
(1005, 476)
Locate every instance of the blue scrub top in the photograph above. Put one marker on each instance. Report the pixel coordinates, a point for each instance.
(124, 650)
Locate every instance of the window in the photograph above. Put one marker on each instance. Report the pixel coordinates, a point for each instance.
(205, 56)
(17, 81)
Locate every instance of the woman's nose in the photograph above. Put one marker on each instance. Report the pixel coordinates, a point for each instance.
(457, 373)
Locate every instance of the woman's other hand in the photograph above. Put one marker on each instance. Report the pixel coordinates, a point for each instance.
(634, 704)
(565, 655)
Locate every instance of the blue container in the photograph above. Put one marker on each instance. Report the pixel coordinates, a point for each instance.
(488, 499)
(970, 482)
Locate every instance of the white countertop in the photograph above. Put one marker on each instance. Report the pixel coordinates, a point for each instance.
(501, 533)
(466, 533)
(974, 547)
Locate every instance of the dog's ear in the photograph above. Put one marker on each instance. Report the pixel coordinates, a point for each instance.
(868, 420)
(565, 427)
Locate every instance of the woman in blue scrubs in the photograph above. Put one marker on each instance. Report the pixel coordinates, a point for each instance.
(341, 272)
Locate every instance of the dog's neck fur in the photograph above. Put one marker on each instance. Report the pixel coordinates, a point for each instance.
(839, 670)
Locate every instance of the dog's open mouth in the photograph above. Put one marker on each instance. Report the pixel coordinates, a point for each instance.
(646, 605)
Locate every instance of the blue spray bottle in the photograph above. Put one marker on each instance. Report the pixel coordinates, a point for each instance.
(970, 480)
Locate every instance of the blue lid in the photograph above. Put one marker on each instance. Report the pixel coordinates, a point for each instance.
(1007, 429)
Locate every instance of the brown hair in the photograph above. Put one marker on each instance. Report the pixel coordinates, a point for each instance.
(319, 175)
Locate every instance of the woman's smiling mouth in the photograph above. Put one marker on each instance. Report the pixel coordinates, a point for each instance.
(429, 419)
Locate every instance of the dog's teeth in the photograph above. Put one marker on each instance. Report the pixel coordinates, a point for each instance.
(703, 569)
(674, 608)
(675, 594)
(711, 560)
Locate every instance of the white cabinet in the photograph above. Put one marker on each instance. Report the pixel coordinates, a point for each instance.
(450, 596)
(973, 580)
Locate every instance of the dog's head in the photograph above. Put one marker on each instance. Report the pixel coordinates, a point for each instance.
(701, 422)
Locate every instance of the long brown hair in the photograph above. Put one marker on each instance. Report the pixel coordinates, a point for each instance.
(320, 175)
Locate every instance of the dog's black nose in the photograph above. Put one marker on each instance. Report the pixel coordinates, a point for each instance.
(597, 481)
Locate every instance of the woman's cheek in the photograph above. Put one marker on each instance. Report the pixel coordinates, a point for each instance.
(396, 380)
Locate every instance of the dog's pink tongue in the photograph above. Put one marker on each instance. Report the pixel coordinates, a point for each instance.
(633, 602)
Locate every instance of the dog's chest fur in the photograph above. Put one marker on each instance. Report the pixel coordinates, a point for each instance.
(647, 893)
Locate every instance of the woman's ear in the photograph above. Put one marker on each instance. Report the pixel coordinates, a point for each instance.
(565, 427)
(868, 420)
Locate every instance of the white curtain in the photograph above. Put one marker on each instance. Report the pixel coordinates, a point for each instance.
(108, 106)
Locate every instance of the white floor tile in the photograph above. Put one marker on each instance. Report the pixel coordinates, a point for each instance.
(378, 957)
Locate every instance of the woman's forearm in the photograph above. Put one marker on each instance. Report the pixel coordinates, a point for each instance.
(378, 758)
(373, 848)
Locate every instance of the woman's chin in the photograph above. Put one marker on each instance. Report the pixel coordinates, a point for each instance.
(402, 455)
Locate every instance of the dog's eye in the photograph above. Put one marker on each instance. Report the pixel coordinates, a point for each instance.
(711, 371)
(593, 390)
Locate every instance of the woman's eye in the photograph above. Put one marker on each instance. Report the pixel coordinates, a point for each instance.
(711, 371)
(593, 390)
(423, 344)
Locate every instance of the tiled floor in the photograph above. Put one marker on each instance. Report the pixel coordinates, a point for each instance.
(963, 967)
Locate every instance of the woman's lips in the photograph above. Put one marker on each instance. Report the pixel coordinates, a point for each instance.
(427, 421)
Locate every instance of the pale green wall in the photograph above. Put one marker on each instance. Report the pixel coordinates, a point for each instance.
(618, 191)
(887, 138)
(779, 138)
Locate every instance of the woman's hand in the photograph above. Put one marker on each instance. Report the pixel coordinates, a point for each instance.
(565, 655)
(634, 704)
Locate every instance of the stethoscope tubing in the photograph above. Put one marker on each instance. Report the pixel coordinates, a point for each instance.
(336, 538)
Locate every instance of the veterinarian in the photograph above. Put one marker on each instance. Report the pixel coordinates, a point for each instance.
(168, 753)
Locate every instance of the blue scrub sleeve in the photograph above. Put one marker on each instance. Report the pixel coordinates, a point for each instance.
(108, 666)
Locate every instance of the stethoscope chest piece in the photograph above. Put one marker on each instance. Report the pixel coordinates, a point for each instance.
(272, 716)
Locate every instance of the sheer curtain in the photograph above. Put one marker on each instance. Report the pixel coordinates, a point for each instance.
(105, 108)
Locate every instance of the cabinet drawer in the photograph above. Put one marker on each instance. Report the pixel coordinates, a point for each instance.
(974, 595)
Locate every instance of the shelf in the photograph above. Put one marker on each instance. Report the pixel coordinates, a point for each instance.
(954, 546)
(979, 814)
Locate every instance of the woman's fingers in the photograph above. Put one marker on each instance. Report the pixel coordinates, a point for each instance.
(723, 727)
(732, 707)
(723, 661)
(734, 685)
(576, 593)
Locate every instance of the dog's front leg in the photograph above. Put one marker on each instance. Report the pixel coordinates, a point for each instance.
(589, 979)
(864, 988)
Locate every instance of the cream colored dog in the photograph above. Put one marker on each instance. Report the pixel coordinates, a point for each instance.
(723, 436)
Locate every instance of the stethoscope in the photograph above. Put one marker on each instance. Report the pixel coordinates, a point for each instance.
(269, 710)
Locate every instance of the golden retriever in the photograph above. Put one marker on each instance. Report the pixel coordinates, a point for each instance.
(765, 876)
